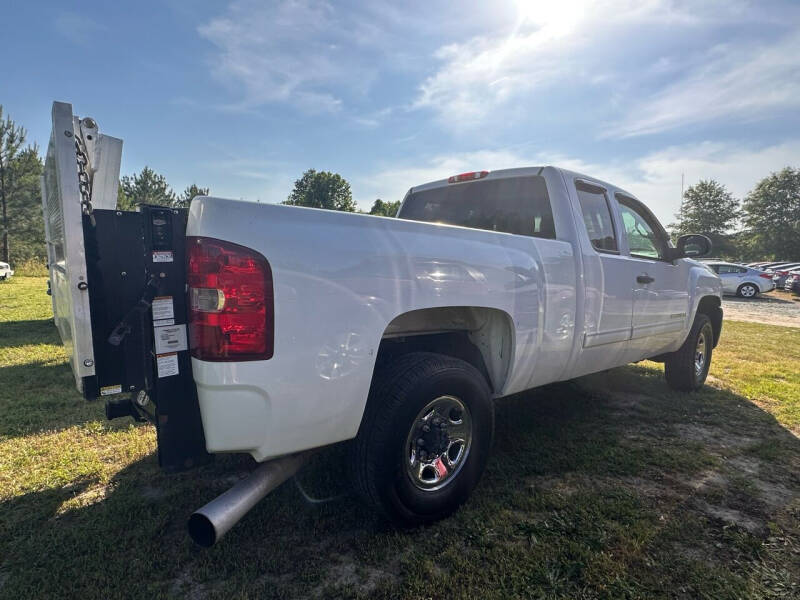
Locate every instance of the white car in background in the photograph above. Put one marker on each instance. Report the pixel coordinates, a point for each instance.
(5, 271)
(742, 281)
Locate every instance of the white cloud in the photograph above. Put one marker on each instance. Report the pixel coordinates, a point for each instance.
(654, 53)
(284, 52)
(550, 42)
(735, 82)
(655, 178)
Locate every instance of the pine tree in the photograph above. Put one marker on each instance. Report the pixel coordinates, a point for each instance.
(20, 169)
(147, 187)
(190, 192)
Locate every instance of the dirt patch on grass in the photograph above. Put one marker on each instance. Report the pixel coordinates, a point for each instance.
(775, 308)
(355, 577)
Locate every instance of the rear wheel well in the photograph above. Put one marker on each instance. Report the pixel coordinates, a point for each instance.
(454, 343)
(479, 336)
(711, 306)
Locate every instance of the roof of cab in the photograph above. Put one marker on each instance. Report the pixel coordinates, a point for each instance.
(523, 172)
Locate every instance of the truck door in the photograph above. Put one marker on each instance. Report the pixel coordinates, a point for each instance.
(608, 304)
(661, 292)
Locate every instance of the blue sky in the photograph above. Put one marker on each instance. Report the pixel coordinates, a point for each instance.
(243, 96)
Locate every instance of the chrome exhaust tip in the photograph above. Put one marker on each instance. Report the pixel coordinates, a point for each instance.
(208, 524)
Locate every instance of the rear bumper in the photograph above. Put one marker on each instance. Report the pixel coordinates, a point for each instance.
(270, 408)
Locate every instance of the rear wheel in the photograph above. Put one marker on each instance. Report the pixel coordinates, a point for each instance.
(425, 438)
(686, 369)
(747, 290)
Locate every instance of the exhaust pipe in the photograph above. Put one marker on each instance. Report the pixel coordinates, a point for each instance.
(208, 524)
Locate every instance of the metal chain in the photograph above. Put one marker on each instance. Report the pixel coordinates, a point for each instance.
(84, 182)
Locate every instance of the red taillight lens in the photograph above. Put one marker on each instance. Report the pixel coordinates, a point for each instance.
(231, 303)
(471, 176)
(765, 275)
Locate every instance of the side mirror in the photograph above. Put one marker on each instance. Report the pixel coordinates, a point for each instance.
(692, 246)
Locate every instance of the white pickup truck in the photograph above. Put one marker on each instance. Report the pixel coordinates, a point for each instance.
(309, 327)
(401, 332)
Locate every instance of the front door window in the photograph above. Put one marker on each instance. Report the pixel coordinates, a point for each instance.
(643, 236)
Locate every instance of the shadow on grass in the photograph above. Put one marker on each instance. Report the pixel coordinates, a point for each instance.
(31, 332)
(573, 503)
(39, 396)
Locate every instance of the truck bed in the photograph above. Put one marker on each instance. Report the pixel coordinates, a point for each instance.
(342, 282)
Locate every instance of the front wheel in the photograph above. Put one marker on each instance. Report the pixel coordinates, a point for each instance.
(747, 290)
(686, 369)
(425, 438)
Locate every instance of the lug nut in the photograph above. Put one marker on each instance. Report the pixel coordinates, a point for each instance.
(426, 428)
(420, 442)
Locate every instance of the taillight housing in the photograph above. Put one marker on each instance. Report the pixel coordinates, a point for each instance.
(765, 275)
(231, 301)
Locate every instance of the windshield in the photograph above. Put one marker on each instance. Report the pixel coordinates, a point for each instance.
(518, 205)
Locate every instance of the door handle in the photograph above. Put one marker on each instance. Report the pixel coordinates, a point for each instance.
(644, 279)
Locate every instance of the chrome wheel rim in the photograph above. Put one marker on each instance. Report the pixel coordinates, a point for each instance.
(700, 354)
(748, 291)
(438, 443)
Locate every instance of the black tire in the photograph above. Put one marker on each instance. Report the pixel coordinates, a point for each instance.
(680, 367)
(743, 293)
(379, 454)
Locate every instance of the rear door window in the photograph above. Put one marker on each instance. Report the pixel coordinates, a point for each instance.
(728, 269)
(518, 205)
(597, 217)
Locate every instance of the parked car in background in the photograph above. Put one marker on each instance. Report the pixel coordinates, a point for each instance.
(779, 274)
(792, 283)
(774, 265)
(742, 281)
(756, 265)
(5, 271)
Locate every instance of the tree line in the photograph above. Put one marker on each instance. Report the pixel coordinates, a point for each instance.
(765, 224)
(22, 224)
(323, 189)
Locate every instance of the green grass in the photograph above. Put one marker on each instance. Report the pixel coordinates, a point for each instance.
(608, 487)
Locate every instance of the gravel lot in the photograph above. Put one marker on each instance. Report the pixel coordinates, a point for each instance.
(775, 308)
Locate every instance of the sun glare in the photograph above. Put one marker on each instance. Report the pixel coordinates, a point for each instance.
(556, 18)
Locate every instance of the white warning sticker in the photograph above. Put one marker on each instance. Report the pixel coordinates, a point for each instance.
(109, 390)
(171, 338)
(162, 256)
(167, 364)
(163, 308)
